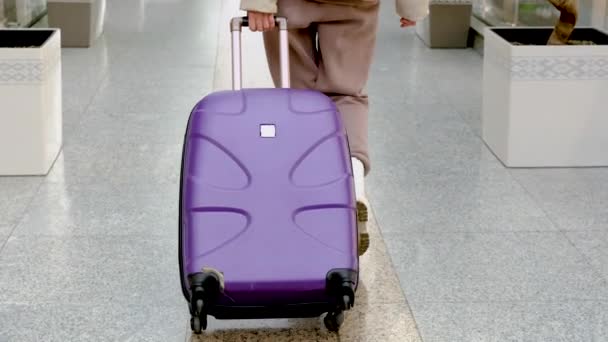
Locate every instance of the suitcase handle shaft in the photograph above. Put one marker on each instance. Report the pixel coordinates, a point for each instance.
(236, 25)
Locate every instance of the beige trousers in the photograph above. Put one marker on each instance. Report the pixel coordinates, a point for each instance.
(331, 50)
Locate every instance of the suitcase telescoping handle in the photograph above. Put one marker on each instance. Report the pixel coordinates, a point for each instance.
(236, 25)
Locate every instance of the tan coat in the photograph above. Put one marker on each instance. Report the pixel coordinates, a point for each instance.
(414, 10)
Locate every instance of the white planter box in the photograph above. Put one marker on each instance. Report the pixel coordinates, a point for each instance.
(545, 106)
(30, 101)
(447, 25)
(81, 21)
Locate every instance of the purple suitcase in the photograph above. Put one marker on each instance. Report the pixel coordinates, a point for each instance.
(267, 209)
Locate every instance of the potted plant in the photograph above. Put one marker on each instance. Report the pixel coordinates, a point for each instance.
(545, 93)
(30, 100)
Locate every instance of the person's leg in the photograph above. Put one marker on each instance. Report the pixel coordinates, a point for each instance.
(347, 37)
(302, 53)
(347, 40)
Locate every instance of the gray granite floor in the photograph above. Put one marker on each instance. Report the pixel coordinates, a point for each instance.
(483, 253)
(463, 249)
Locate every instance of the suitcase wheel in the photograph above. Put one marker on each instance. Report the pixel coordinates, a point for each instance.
(205, 290)
(333, 321)
(198, 322)
(196, 325)
(340, 286)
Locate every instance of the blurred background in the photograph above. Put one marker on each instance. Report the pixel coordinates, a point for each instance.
(27, 13)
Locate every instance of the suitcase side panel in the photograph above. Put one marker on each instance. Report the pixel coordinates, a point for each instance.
(274, 214)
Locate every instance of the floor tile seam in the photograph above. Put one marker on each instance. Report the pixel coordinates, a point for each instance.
(532, 302)
(484, 232)
(585, 230)
(388, 302)
(87, 181)
(135, 54)
(136, 115)
(586, 259)
(477, 134)
(105, 148)
(140, 237)
(470, 129)
(88, 305)
(173, 138)
(394, 271)
(165, 180)
(85, 111)
(417, 337)
(581, 258)
(564, 233)
(489, 231)
(411, 105)
(163, 83)
(116, 133)
(131, 147)
(105, 75)
(22, 214)
(143, 116)
(454, 109)
(4, 239)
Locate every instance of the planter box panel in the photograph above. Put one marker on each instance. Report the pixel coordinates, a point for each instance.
(30, 104)
(496, 107)
(561, 134)
(546, 106)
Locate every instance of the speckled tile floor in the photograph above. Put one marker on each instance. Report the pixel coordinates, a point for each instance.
(462, 248)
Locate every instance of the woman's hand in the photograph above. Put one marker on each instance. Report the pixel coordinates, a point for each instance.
(407, 23)
(259, 21)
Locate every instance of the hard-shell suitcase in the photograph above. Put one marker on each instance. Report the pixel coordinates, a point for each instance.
(267, 224)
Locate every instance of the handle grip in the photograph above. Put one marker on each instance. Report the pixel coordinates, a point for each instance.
(240, 22)
(236, 25)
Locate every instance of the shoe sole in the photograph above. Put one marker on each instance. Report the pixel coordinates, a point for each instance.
(362, 218)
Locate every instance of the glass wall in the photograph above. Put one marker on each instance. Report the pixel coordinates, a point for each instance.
(2, 13)
(21, 13)
(531, 12)
(606, 17)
